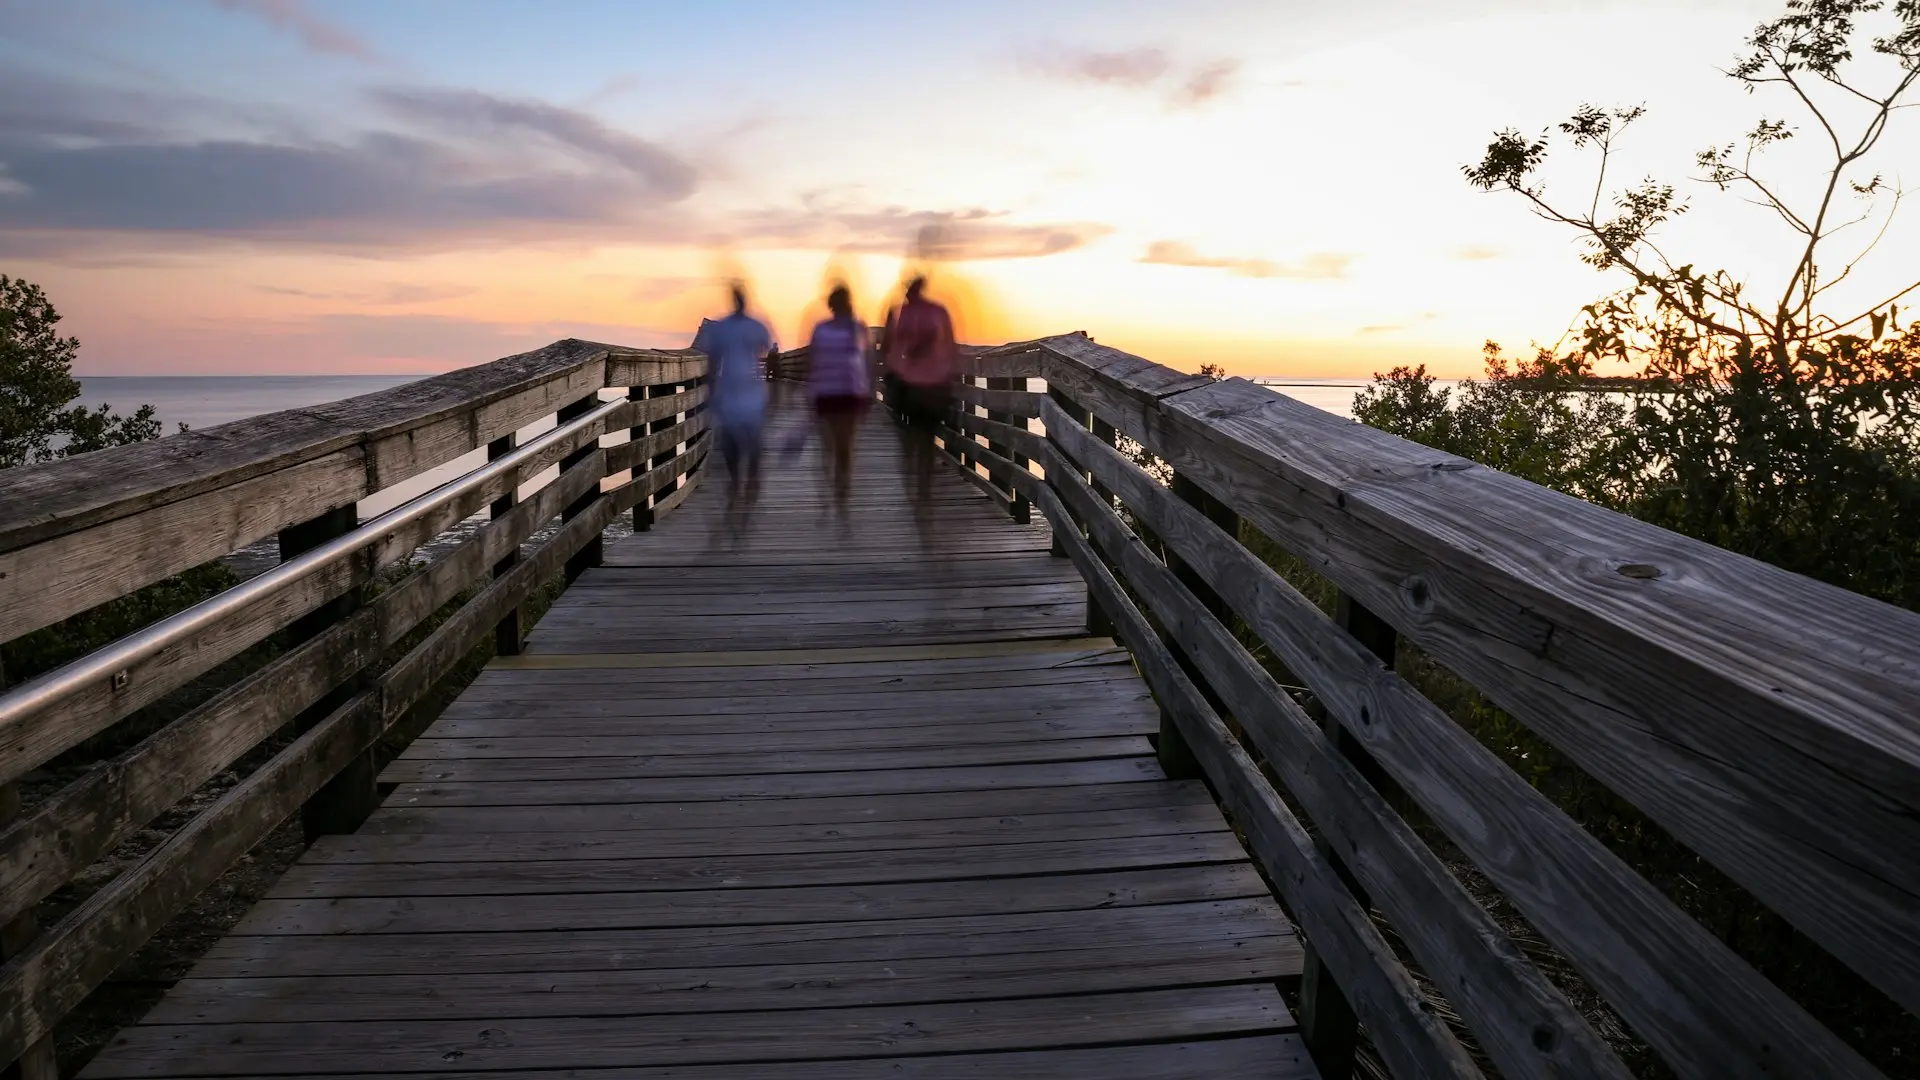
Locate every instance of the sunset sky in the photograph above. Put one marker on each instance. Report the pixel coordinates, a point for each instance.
(288, 187)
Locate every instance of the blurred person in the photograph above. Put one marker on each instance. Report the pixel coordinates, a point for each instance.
(737, 398)
(841, 386)
(923, 362)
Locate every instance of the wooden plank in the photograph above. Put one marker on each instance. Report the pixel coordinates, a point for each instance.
(667, 991)
(737, 767)
(601, 719)
(616, 691)
(1271, 1057)
(692, 838)
(762, 657)
(711, 907)
(1503, 997)
(792, 786)
(1114, 671)
(652, 367)
(396, 817)
(1012, 402)
(1751, 712)
(1679, 986)
(585, 1043)
(86, 819)
(956, 862)
(183, 500)
(1410, 1037)
(442, 744)
(958, 938)
(64, 965)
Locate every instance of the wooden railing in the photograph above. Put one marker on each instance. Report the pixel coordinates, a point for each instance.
(79, 532)
(1767, 721)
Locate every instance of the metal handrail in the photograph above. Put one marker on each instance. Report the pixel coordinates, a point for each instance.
(110, 662)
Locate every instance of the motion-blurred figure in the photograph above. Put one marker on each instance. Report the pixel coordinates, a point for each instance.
(842, 390)
(922, 364)
(737, 396)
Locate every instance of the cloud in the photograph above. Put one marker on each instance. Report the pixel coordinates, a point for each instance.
(452, 166)
(317, 34)
(1138, 69)
(946, 236)
(1209, 82)
(1478, 252)
(395, 295)
(1320, 266)
(471, 112)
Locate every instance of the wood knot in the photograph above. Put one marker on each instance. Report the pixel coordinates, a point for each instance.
(1642, 571)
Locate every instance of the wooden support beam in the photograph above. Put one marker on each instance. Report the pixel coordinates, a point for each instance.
(507, 637)
(39, 1062)
(589, 555)
(345, 800)
(1021, 510)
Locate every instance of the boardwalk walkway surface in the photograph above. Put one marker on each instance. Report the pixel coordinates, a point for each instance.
(811, 805)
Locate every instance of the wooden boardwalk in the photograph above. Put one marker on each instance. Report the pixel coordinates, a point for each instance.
(818, 803)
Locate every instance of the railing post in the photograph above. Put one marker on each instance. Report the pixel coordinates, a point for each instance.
(1176, 757)
(346, 800)
(667, 455)
(588, 556)
(643, 509)
(39, 1062)
(1099, 624)
(1327, 1022)
(1021, 512)
(507, 635)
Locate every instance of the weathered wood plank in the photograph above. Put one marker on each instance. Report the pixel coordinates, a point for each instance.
(1145, 965)
(679, 789)
(959, 938)
(309, 881)
(691, 838)
(1681, 988)
(786, 764)
(711, 907)
(87, 818)
(1753, 713)
(1409, 1036)
(430, 1045)
(625, 739)
(1504, 998)
(1012, 402)
(1271, 1057)
(828, 810)
(124, 517)
(74, 955)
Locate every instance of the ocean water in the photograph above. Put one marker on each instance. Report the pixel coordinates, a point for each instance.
(1331, 395)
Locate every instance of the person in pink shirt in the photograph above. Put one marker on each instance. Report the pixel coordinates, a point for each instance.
(922, 366)
(841, 385)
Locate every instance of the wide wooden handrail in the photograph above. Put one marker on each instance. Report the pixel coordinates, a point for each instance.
(1766, 720)
(95, 527)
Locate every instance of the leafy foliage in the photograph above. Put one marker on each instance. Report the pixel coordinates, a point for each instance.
(37, 419)
(1772, 427)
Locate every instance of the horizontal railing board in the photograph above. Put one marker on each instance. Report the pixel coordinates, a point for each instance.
(1762, 717)
(1504, 998)
(1412, 1039)
(31, 740)
(1682, 989)
(122, 518)
(84, 820)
